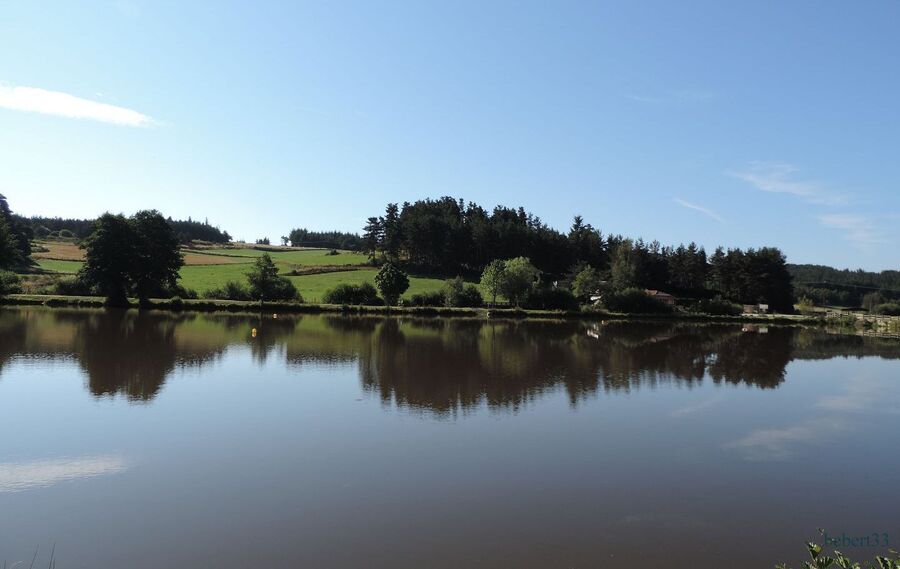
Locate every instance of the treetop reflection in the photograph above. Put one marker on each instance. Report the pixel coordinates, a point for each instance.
(434, 365)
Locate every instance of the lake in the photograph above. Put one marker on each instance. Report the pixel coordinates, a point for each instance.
(146, 439)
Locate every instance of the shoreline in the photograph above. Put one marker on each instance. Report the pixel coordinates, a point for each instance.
(211, 305)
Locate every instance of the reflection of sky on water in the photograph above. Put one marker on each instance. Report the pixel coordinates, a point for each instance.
(862, 394)
(26, 475)
(838, 413)
(782, 443)
(458, 443)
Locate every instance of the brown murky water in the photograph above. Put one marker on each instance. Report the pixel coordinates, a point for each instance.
(150, 440)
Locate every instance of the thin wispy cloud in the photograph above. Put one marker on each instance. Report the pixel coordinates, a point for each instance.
(35, 100)
(705, 211)
(857, 229)
(780, 178)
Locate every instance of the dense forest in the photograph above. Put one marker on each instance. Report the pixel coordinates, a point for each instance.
(326, 239)
(187, 230)
(836, 287)
(449, 236)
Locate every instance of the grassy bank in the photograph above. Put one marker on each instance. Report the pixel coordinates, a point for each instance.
(293, 307)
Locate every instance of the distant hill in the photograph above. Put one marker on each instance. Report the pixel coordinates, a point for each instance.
(842, 287)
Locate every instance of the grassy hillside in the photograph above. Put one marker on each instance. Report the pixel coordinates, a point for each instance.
(211, 268)
(308, 257)
(57, 266)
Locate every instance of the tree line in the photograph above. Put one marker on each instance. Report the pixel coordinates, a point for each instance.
(451, 237)
(827, 285)
(186, 230)
(300, 237)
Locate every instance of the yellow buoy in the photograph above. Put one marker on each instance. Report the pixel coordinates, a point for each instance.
(253, 332)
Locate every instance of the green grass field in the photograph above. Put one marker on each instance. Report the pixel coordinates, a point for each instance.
(202, 278)
(313, 257)
(313, 287)
(54, 266)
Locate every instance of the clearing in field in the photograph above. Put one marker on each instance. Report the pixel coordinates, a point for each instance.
(57, 250)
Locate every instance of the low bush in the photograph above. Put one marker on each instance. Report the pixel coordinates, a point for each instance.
(39, 284)
(181, 292)
(842, 320)
(470, 297)
(362, 294)
(73, 287)
(806, 305)
(281, 288)
(458, 294)
(232, 290)
(437, 298)
(888, 309)
(9, 283)
(634, 301)
(546, 298)
(717, 307)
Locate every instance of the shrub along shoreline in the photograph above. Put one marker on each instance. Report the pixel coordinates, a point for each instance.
(211, 305)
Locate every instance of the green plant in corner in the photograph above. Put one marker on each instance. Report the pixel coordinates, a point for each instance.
(820, 561)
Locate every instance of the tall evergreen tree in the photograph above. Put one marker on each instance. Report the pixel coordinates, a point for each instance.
(392, 232)
(373, 233)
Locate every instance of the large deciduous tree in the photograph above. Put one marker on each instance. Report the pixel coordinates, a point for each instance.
(110, 257)
(492, 278)
(139, 255)
(157, 254)
(15, 238)
(9, 252)
(586, 283)
(519, 276)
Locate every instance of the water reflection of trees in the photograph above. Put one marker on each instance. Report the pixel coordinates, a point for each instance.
(459, 364)
(436, 365)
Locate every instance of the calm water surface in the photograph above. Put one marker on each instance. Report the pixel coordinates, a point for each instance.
(148, 440)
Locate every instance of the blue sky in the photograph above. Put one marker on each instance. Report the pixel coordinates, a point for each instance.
(744, 124)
